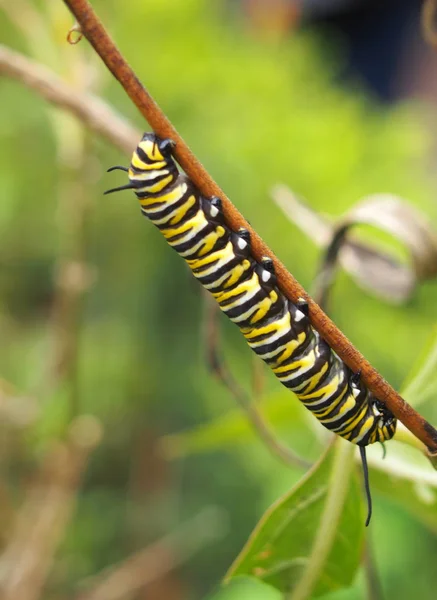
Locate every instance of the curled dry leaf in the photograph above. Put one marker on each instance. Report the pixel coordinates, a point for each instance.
(429, 22)
(374, 270)
(75, 34)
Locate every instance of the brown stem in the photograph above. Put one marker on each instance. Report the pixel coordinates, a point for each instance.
(96, 34)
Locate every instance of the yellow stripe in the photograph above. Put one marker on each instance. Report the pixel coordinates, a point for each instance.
(139, 164)
(316, 378)
(353, 422)
(195, 263)
(210, 240)
(348, 405)
(282, 325)
(325, 391)
(182, 210)
(264, 307)
(246, 286)
(160, 185)
(172, 196)
(236, 273)
(306, 361)
(289, 349)
(198, 219)
(364, 429)
(284, 369)
(151, 150)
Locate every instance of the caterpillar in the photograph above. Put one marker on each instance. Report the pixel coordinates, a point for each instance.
(278, 330)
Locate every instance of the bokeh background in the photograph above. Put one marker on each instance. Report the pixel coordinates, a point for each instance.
(98, 317)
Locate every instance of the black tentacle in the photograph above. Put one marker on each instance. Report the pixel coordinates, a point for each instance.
(129, 186)
(366, 483)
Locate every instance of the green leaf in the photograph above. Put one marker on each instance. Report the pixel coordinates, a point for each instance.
(421, 383)
(234, 428)
(246, 588)
(286, 544)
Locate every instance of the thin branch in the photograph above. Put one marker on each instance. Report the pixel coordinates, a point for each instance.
(220, 369)
(96, 34)
(148, 565)
(90, 110)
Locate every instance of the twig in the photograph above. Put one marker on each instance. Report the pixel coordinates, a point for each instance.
(43, 518)
(90, 110)
(144, 567)
(220, 369)
(96, 34)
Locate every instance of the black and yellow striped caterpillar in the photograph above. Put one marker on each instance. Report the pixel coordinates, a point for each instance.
(278, 330)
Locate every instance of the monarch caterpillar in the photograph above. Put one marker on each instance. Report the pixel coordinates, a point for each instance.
(278, 330)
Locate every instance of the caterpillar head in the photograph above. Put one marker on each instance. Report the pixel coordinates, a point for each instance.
(154, 149)
(152, 169)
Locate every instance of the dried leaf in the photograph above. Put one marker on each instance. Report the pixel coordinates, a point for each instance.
(374, 270)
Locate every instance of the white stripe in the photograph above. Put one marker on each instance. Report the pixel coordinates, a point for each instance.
(149, 174)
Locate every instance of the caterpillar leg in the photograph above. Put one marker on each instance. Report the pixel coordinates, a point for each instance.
(356, 378)
(303, 306)
(384, 450)
(366, 483)
(267, 263)
(244, 233)
(215, 208)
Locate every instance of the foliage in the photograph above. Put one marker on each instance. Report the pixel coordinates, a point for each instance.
(256, 112)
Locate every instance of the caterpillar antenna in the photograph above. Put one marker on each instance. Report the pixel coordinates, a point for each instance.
(118, 168)
(129, 186)
(366, 483)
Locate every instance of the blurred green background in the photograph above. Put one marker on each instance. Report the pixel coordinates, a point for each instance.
(98, 316)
